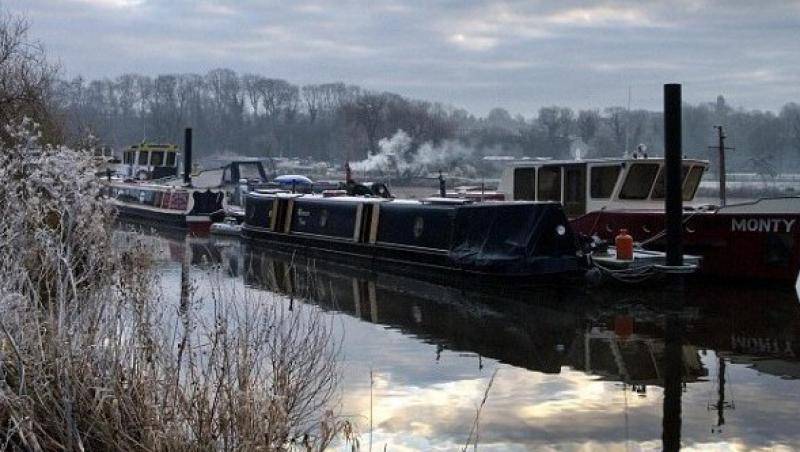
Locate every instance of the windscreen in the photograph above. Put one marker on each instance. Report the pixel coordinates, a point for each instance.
(639, 181)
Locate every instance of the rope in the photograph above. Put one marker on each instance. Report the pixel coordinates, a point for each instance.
(627, 275)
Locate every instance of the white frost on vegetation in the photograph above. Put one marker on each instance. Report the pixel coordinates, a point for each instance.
(51, 214)
(94, 357)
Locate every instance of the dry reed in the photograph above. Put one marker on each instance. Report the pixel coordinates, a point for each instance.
(95, 356)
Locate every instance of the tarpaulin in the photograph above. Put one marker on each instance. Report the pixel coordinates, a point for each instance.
(513, 238)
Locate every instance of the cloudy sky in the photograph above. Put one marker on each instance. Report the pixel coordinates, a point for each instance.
(520, 55)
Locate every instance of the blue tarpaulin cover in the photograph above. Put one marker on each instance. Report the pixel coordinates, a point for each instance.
(513, 238)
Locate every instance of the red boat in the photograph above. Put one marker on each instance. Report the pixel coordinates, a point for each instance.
(757, 240)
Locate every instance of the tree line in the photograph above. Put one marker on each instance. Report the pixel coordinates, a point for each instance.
(251, 114)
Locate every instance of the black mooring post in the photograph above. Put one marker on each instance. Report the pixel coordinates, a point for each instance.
(672, 373)
(672, 162)
(187, 156)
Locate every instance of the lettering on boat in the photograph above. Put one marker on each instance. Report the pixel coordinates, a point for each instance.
(762, 225)
(301, 216)
(762, 346)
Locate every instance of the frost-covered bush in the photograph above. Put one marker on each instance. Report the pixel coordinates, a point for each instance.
(54, 223)
(93, 356)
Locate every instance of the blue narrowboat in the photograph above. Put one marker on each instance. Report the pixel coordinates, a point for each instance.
(508, 240)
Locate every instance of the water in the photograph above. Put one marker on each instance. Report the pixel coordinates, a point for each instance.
(574, 368)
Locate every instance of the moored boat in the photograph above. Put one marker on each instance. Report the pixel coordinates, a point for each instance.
(168, 206)
(151, 190)
(757, 239)
(501, 240)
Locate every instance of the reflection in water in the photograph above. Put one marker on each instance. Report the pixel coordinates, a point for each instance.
(609, 367)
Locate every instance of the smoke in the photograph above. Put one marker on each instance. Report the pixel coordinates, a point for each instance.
(390, 158)
(397, 157)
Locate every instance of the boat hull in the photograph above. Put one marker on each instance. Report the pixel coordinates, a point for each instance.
(489, 241)
(742, 245)
(163, 207)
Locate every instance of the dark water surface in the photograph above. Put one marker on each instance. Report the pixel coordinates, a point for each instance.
(577, 368)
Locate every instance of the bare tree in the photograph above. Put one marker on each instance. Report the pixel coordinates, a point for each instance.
(588, 122)
(616, 123)
(368, 111)
(557, 122)
(25, 74)
(312, 96)
(250, 86)
(790, 115)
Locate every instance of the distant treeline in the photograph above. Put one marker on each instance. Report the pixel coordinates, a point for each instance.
(255, 115)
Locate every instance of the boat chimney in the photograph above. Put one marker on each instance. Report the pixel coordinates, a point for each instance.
(442, 186)
(187, 157)
(672, 164)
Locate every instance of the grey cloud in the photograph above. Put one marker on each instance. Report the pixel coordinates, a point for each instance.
(520, 55)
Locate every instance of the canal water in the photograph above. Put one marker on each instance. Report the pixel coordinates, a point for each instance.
(560, 366)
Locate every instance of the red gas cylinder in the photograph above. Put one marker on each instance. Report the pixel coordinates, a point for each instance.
(624, 244)
(623, 325)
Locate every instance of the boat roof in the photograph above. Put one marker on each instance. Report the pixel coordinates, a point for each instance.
(238, 159)
(145, 146)
(609, 160)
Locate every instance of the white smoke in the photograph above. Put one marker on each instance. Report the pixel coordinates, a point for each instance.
(396, 158)
(390, 158)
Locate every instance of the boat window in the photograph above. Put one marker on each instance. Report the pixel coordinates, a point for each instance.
(692, 182)
(157, 158)
(603, 180)
(550, 183)
(639, 181)
(170, 159)
(659, 189)
(574, 184)
(128, 157)
(525, 183)
(143, 157)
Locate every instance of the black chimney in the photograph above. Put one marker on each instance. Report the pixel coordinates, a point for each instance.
(187, 157)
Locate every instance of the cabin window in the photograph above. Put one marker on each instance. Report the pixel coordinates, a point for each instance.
(550, 183)
(143, 157)
(639, 181)
(660, 189)
(574, 184)
(603, 180)
(525, 183)
(170, 159)
(157, 158)
(128, 157)
(692, 182)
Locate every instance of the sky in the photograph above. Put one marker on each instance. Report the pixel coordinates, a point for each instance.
(518, 55)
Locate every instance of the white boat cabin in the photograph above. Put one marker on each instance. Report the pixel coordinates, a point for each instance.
(583, 186)
(150, 161)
